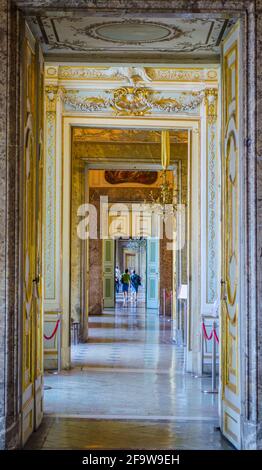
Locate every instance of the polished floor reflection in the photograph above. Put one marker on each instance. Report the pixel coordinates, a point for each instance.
(128, 390)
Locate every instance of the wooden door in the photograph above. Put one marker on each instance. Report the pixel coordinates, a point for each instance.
(109, 273)
(39, 386)
(31, 207)
(230, 313)
(152, 268)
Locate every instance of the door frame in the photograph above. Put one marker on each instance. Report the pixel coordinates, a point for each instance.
(251, 168)
(157, 240)
(193, 124)
(247, 203)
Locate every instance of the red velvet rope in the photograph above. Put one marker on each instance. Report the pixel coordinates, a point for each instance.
(215, 335)
(208, 338)
(54, 332)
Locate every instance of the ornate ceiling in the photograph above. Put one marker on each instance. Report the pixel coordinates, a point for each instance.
(89, 35)
(110, 146)
(133, 136)
(125, 155)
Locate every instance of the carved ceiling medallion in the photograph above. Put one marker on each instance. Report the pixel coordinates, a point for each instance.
(133, 32)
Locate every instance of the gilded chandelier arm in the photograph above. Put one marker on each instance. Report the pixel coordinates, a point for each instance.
(165, 149)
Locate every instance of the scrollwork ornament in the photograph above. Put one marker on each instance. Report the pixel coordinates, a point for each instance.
(211, 104)
(51, 97)
(134, 101)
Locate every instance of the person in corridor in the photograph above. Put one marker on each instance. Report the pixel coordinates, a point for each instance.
(135, 282)
(125, 279)
(117, 279)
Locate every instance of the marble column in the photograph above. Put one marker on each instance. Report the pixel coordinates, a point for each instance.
(257, 169)
(9, 234)
(252, 334)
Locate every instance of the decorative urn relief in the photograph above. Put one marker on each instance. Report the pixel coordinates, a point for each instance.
(132, 101)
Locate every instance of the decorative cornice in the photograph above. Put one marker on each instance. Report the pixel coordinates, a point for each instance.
(182, 75)
(144, 74)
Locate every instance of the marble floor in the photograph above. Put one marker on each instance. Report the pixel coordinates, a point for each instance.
(128, 389)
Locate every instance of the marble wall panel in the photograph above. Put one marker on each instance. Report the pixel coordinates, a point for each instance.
(173, 5)
(166, 277)
(95, 301)
(9, 233)
(76, 267)
(255, 60)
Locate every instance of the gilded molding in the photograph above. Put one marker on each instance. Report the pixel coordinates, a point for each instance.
(51, 97)
(211, 95)
(81, 73)
(231, 347)
(146, 74)
(90, 104)
(52, 94)
(182, 75)
(134, 101)
(50, 198)
(185, 103)
(211, 208)
(211, 98)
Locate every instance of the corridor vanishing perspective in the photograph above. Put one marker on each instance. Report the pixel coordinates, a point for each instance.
(128, 389)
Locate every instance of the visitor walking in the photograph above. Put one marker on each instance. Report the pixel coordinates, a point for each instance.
(117, 279)
(125, 279)
(135, 281)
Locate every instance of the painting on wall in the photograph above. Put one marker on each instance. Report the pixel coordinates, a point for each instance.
(127, 176)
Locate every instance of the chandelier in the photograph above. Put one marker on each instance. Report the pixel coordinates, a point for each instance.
(136, 243)
(163, 202)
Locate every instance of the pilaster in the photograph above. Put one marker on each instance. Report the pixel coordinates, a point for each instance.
(52, 222)
(210, 203)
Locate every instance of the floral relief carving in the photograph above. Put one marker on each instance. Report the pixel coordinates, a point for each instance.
(50, 267)
(211, 104)
(211, 95)
(51, 96)
(136, 101)
(90, 104)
